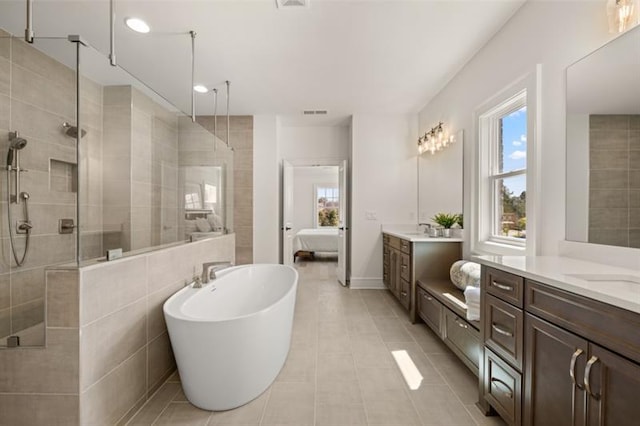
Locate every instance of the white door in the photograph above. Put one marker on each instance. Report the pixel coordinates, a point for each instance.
(343, 225)
(287, 213)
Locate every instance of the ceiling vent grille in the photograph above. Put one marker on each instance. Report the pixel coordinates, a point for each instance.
(292, 4)
(314, 112)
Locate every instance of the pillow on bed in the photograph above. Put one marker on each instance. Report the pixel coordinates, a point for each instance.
(215, 221)
(203, 225)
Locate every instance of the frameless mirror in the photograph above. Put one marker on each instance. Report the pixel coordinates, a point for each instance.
(603, 145)
(440, 181)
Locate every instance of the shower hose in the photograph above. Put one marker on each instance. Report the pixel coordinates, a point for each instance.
(19, 262)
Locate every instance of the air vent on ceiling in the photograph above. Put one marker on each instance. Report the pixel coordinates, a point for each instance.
(314, 112)
(292, 4)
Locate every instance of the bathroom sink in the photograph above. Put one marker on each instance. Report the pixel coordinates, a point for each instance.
(609, 279)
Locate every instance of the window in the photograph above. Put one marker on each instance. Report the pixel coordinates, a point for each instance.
(327, 206)
(504, 196)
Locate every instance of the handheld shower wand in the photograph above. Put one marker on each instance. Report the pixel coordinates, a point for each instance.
(16, 143)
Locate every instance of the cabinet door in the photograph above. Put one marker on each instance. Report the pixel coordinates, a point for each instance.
(613, 389)
(554, 393)
(386, 263)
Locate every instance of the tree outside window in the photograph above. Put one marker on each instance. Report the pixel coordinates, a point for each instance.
(327, 206)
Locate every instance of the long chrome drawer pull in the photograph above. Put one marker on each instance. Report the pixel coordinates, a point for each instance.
(460, 323)
(501, 330)
(587, 377)
(502, 286)
(509, 392)
(572, 368)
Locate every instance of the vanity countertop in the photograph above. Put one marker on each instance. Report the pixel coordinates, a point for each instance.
(616, 286)
(420, 237)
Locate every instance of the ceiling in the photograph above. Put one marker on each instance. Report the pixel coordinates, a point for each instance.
(341, 56)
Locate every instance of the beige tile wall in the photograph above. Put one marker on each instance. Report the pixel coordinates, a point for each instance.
(614, 180)
(241, 140)
(107, 349)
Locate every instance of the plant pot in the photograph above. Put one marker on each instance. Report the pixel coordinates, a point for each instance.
(446, 232)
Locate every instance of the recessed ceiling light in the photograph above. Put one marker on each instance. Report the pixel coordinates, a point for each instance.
(200, 88)
(137, 24)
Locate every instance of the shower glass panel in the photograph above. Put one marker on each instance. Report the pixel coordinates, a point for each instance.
(134, 171)
(37, 95)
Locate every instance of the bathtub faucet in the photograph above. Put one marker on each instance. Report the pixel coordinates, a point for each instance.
(209, 270)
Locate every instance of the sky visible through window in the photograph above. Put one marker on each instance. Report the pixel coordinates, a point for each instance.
(514, 148)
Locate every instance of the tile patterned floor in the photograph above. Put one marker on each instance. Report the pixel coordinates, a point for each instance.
(340, 371)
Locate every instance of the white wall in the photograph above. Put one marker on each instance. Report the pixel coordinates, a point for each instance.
(554, 34)
(266, 207)
(307, 143)
(304, 181)
(384, 182)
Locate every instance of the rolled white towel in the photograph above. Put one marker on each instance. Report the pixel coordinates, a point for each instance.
(464, 273)
(472, 298)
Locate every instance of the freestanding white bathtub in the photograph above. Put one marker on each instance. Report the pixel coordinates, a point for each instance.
(232, 336)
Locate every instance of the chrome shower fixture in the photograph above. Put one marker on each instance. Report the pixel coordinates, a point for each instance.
(72, 131)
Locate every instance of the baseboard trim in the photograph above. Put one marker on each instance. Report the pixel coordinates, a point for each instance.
(357, 283)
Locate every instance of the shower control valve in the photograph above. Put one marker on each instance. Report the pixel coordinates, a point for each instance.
(23, 226)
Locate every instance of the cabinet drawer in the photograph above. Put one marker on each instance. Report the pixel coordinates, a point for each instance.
(503, 330)
(404, 294)
(405, 246)
(394, 242)
(504, 285)
(462, 339)
(405, 267)
(429, 309)
(614, 328)
(502, 388)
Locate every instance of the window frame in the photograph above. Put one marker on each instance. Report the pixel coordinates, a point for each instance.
(524, 92)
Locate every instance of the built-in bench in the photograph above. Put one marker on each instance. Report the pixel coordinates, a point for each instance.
(441, 305)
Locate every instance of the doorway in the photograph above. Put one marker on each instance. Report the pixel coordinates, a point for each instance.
(315, 214)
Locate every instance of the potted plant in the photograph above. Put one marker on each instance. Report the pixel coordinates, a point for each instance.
(446, 220)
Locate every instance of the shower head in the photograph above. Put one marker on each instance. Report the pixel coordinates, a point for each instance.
(72, 131)
(15, 143)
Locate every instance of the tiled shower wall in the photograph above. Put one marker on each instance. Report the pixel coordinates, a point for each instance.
(140, 171)
(108, 349)
(37, 94)
(614, 180)
(241, 140)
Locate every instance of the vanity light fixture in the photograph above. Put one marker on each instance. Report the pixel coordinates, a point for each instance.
(137, 25)
(434, 140)
(620, 13)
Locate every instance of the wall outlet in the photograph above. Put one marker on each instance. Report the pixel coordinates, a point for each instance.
(370, 215)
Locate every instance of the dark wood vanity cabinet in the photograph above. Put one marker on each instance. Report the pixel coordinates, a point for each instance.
(580, 358)
(405, 261)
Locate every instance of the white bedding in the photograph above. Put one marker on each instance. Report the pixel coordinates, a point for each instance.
(312, 240)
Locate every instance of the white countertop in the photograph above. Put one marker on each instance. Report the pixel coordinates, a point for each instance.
(616, 286)
(420, 237)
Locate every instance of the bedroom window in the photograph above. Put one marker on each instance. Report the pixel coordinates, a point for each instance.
(327, 206)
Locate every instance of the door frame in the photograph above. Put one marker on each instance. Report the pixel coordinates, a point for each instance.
(308, 162)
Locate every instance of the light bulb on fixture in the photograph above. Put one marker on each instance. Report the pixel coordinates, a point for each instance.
(137, 25)
(620, 14)
(200, 88)
(434, 140)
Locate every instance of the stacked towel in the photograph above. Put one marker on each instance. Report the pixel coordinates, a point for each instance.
(472, 298)
(464, 273)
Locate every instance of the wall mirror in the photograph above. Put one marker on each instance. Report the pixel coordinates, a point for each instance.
(440, 181)
(603, 145)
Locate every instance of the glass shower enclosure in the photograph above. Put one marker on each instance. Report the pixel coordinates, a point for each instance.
(96, 161)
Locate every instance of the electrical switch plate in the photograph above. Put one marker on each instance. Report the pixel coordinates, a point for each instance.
(370, 215)
(114, 254)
